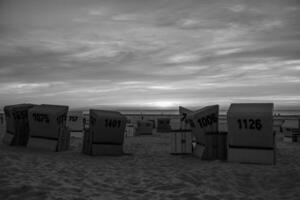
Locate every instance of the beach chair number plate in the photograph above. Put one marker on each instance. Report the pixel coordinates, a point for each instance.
(208, 120)
(20, 115)
(108, 123)
(249, 124)
(112, 123)
(60, 119)
(40, 117)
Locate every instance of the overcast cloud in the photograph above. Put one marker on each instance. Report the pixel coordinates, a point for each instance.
(149, 53)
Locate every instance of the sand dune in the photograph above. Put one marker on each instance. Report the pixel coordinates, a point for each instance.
(147, 172)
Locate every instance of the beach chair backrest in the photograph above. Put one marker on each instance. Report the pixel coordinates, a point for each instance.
(75, 120)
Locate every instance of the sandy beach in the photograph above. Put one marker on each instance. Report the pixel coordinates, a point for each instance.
(147, 172)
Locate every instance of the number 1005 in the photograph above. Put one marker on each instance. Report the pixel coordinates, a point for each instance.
(253, 124)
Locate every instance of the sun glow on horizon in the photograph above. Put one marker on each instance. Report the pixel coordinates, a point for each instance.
(164, 104)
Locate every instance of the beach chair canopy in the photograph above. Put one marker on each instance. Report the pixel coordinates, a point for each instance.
(163, 121)
(14, 113)
(144, 124)
(47, 120)
(251, 124)
(75, 120)
(107, 126)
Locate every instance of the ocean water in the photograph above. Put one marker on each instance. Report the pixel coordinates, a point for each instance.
(287, 112)
(221, 112)
(176, 112)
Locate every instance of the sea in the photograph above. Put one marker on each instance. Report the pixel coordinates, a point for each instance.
(176, 112)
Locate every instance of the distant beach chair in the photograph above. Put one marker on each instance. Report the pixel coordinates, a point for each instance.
(175, 124)
(48, 128)
(181, 142)
(291, 130)
(144, 127)
(105, 135)
(181, 136)
(163, 125)
(17, 126)
(129, 130)
(75, 121)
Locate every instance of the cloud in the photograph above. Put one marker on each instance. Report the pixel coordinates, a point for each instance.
(192, 52)
(182, 58)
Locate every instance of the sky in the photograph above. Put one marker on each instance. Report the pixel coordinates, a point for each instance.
(149, 53)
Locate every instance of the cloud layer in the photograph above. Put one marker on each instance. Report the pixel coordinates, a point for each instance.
(149, 53)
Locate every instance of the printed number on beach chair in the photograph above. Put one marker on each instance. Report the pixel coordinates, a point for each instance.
(254, 124)
(112, 123)
(207, 120)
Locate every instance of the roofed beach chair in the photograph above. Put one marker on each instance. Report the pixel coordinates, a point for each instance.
(48, 128)
(250, 133)
(105, 135)
(17, 126)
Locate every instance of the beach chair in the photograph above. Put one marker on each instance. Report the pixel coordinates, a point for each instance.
(163, 125)
(250, 133)
(175, 124)
(153, 123)
(75, 121)
(181, 142)
(2, 124)
(204, 124)
(2, 116)
(181, 136)
(291, 130)
(129, 130)
(144, 127)
(17, 126)
(48, 130)
(105, 135)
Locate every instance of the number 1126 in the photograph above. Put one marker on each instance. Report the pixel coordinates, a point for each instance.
(249, 124)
